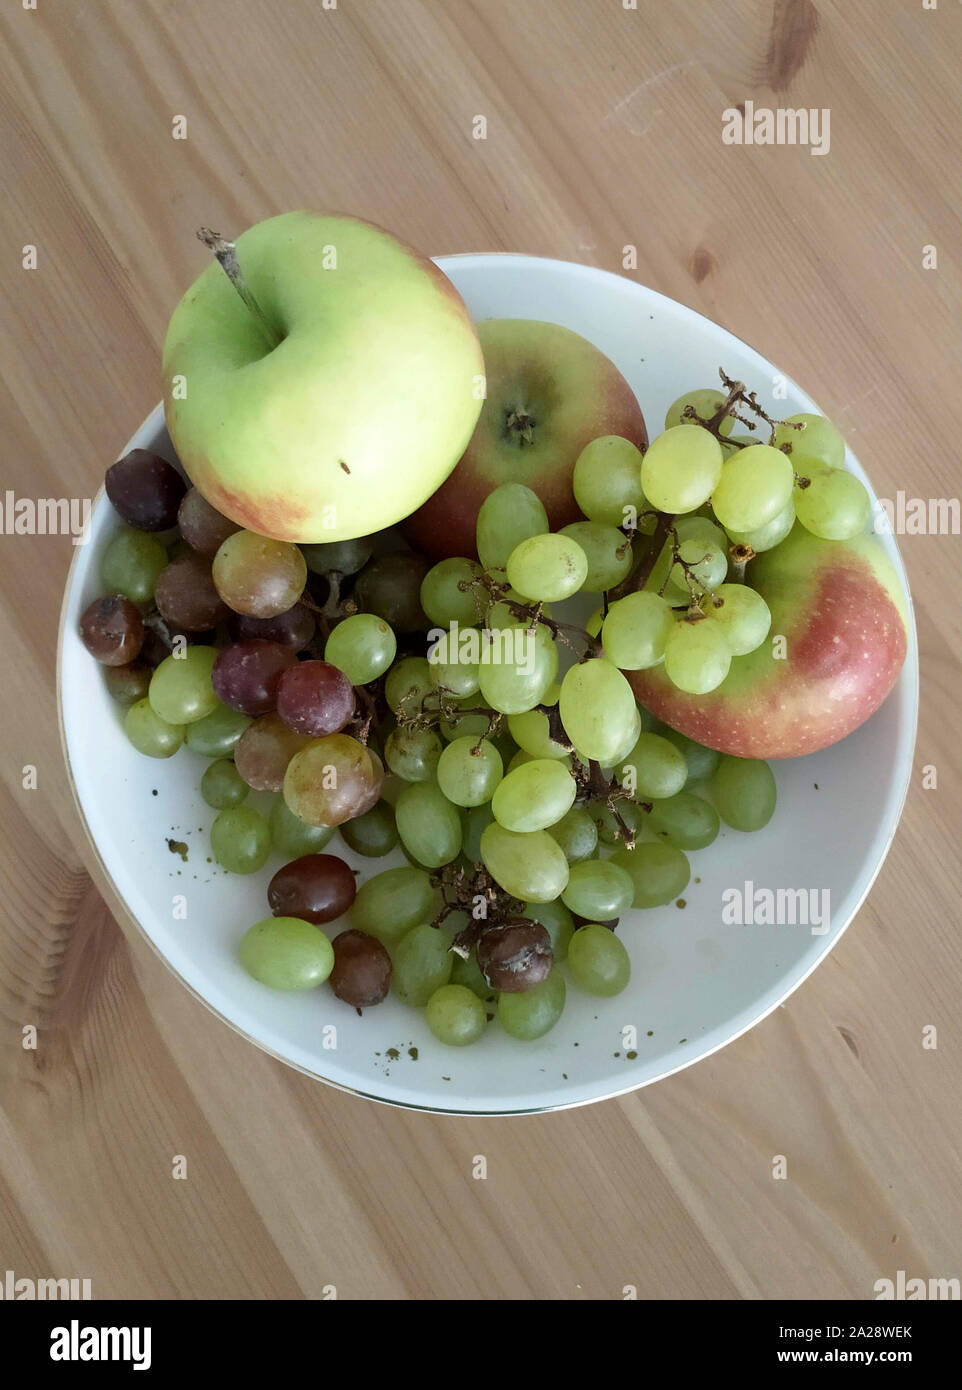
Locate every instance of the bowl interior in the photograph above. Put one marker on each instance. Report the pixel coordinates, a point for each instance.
(696, 982)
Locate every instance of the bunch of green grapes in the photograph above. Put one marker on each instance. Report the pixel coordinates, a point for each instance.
(719, 497)
(440, 710)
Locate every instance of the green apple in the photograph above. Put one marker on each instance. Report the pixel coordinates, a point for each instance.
(330, 389)
(549, 393)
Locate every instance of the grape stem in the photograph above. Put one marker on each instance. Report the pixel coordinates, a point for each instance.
(593, 785)
(466, 889)
(663, 528)
(226, 253)
(739, 556)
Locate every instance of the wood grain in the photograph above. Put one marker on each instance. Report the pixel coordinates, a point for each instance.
(604, 129)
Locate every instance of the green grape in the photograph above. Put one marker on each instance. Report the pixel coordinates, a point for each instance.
(598, 961)
(598, 889)
(707, 552)
(428, 824)
(697, 657)
(735, 442)
(468, 771)
(701, 761)
(531, 732)
(768, 536)
(474, 822)
(464, 725)
(390, 903)
(500, 615)
(595, 623)
(512, 513)
(222, 785)
(218, 733)
(607, 550)
(150, 734)
(448, 672)
(443, 598)
(576, 833)
(681, 469)
(362, 646)
(607, 481)
(708, 567)
(744, 792)
(835, 506)
(517, 668)
(597, 709)
(286, 953)
(659, 872)
(291, 836)
(549, 567)
(344, 557)
(407, 684)
(422, 963)
(127, 684)
(180, 688)
(467, 972)
(685, 820)
(755, 485)
(631, 738)
(131, 565)
(705, 402)
(744, 617)
(455, 1015)
(636, 630)
(557, 922)
(413, 754)
(372, 834)
(534, 795)
(240, 840)
(654, 768)
(610, 832)
(534, 1012)
(529, 866)
(818, 444)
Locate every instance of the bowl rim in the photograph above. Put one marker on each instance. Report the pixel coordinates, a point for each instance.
(153, 422)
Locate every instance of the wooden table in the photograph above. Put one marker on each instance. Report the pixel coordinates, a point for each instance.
(603, 129)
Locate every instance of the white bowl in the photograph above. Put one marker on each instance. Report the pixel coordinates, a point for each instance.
(696, 983)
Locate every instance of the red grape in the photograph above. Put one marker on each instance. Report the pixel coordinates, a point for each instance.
(259, 576)
(515, 955)
(263, 752)
(362, 969)
(315, 698)
(112, 630)
(185, 594)
(202, 526)
(317, 887)
(246, 674)
(295, 628)
(146, 490)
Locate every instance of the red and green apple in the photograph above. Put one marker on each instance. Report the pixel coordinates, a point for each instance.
(549, 392)
(837, 643)
(331, 396)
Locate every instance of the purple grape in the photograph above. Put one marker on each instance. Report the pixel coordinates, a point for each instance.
(293, 629)
(246, 674)
(146, 490)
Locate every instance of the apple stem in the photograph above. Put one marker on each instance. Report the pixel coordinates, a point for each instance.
(226, 254)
